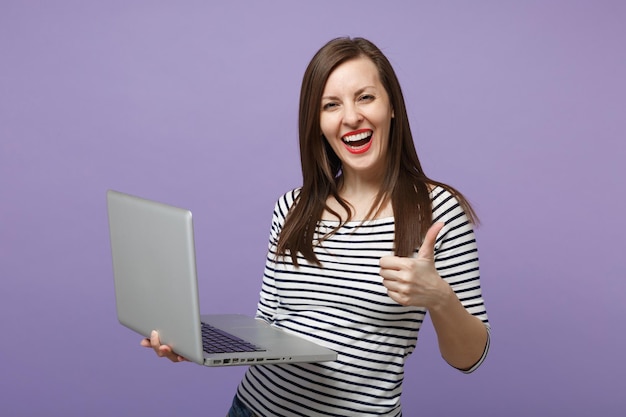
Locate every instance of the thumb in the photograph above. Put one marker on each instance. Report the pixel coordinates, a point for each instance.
(427, 250)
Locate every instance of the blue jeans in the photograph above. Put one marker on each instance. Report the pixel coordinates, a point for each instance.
(239, 409)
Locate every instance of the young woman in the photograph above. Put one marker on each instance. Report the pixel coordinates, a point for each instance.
(362, 251)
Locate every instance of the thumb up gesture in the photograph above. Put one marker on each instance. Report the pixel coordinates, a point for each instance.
(415, 281)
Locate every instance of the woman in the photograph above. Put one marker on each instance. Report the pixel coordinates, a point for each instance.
(361, 251)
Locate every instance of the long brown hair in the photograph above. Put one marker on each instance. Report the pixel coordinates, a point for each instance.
(405, 184)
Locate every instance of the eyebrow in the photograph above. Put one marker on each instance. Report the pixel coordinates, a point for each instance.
(356, 93)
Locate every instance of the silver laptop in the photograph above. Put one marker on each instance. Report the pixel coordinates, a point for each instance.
(156, 288)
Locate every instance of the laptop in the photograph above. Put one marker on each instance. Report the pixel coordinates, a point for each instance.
(156, 288)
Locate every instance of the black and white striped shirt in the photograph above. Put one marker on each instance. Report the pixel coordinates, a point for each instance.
(344, 306)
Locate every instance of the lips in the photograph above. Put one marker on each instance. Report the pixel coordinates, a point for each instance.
(359, 141)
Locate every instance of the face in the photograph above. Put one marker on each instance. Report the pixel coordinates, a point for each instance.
(356, 117)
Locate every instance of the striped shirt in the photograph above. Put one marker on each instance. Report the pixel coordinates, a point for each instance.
(344, 306)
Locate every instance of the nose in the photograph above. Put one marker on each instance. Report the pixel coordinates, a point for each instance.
(352, 116)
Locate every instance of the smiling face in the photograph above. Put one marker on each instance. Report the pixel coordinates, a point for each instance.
(356, 118)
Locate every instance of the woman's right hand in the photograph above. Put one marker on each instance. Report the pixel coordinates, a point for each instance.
(161, 350)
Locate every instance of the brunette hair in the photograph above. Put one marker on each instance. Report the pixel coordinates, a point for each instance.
(405, 184)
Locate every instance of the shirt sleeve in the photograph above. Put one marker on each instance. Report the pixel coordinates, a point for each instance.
(269, 298)
(456, 258)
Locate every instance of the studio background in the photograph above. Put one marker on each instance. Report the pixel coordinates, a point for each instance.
(520, 105)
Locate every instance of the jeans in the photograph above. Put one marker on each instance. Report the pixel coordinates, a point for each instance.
(239, 409)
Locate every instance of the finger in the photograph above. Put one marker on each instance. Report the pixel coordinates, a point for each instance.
(394, 263)
(159, 349)
(391, 284)
(155, 342)
(427, 250)
(397, 297)
(385, 261)
(166, 351)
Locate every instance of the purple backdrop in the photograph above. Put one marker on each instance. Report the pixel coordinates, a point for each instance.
(521, 105)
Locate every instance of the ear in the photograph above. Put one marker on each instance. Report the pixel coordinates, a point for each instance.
(393, 114)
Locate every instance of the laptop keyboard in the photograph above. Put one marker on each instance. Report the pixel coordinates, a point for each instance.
(218, 341)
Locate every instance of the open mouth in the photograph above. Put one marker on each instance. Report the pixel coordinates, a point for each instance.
(359, 141)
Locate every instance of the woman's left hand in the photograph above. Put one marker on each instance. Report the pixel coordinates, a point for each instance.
(415, 281)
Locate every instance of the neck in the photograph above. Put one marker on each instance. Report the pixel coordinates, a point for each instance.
(361, 194)
(359, 187)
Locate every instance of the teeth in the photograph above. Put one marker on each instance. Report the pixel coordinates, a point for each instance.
(357, 137)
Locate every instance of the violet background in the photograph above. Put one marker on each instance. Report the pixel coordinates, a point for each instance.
(521, 105)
